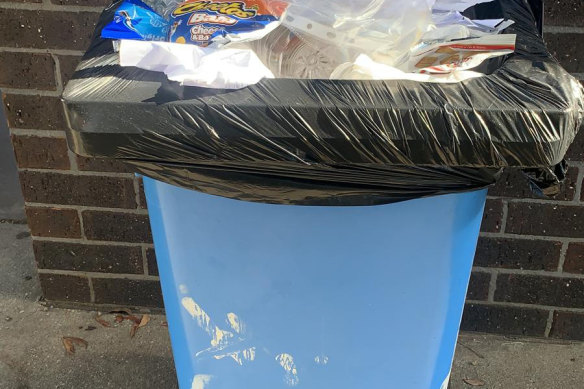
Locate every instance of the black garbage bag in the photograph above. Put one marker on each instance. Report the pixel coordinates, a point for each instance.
(334, 142)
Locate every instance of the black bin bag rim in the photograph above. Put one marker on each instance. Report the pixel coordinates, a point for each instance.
(334, 142)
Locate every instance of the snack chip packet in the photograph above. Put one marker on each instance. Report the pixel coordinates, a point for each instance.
(200, 22)
(135, 20)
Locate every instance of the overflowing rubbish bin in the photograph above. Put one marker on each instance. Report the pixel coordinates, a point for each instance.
(316, 181)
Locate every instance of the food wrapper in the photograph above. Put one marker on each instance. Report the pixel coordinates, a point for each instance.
(203, 23)
(220, 22)
(445, 57)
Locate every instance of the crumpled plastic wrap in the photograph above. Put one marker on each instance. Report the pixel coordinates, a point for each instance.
(334, 142)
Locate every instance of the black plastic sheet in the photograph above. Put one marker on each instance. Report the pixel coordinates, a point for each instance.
(333, 142)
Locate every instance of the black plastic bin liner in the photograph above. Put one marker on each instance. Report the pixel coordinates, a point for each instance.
(333, 142)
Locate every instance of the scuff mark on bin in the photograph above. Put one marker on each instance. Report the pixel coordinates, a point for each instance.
(287, 363)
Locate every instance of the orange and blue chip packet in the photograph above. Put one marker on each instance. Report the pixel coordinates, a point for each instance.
(215, 23)
(202, 23)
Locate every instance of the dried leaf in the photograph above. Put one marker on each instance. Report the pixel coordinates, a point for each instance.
(69, 343)
(69, 348)
(119, 319)
(90, 328)
(79, 341)
(473, 382)
(145, 319)
(134, 329)
(102, 322)
(164, 324)
(135, 319)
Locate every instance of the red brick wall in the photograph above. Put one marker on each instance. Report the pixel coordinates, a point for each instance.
(529, 268)
(90, 227)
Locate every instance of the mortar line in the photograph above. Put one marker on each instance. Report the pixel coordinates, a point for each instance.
(50, 7)
(139, 204)
(563, 30)
(57, 74)
(492, 286)
(531, 237)
(80, 173)
(38, 133)
(91, 242)
(81, 226)
(536, 201)
(525, 306)
(30, 50)
(82, 208)
(91, 290)
(505, 212)
(31, 92)
(579, 184)
(145, 261)
(549, 323)
(538, 273)
(96, 275)
(563, 252)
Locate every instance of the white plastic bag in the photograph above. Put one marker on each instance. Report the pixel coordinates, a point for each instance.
(381, 29)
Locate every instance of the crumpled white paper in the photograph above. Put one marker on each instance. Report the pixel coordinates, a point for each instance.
(196, 66)
(364, 68)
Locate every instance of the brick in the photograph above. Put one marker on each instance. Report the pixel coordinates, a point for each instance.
(53, 222)
(545, 220)
(478, 288)
(568, 326)
(552, 291)
(58, 30)
(27, 71)
(518, 254)
(38, 112)
(102, 165)
(493, 217)
(58, 287)
(576, 150)
(69, 189)
(574, 262)
(564, 13)
(116, 291)
(504, 320)
(93, 3)
(67, 65)
(567, 49)
(152, 264)
(514, 184)
(117, 226)
(89, 258)
(40, 152)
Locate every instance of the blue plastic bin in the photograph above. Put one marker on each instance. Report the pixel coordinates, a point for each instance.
(274, 296)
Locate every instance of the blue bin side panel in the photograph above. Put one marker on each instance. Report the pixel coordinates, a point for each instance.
(272, 296)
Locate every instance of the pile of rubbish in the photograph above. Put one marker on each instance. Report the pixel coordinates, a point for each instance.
(233, 44)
